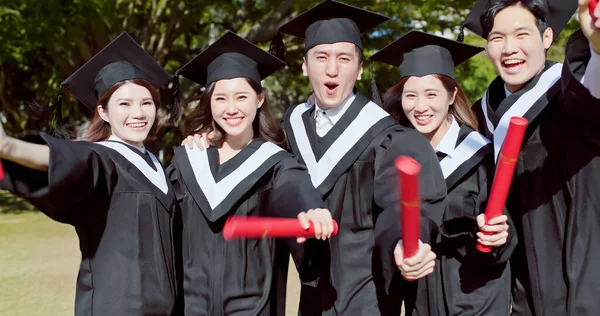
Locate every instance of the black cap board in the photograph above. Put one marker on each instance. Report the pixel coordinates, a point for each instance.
(122, 59)
(332, 22)
(419, 54)
(230, 57)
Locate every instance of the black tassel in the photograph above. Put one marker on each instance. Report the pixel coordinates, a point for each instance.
(60, 128)
(461, 34)
(57, 117)
(374, 90)
(52, 116)
(37, 112)
(175, 109)
(277, 47)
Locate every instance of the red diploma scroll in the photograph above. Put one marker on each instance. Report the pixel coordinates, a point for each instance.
(592, 7)
(408, 177)
(1, 172)
(505, 170)
(260, 227)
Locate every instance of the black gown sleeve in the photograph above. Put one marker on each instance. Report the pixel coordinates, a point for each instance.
(76, 175)
(459, 232)
(577, 101)
(292, 194)
(411, 143)
(172, 175)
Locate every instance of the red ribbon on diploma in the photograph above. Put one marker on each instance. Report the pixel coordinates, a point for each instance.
(505, 170)
(261, 227)
(1, 172)
(408, 177)
(592, 7)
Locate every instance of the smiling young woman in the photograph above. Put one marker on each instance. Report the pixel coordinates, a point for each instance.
(201, 119)
(244, 173)
(428, 98)
(445, 90)
(101, 129)
(110, 188)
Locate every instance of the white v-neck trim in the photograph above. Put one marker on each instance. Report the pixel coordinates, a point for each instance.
(156, 177)
(216, 192)
(521, 106)
(463, 152)
(369, 115)
(448, 141)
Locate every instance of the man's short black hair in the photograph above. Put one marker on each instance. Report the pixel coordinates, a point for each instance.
(536, 7)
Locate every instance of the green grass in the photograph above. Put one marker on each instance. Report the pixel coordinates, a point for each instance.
(39, 259)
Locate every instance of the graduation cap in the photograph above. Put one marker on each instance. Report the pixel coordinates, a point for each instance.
(122, 59)
(419, 54)
(329, 22)
(230, 57)
(559, 12)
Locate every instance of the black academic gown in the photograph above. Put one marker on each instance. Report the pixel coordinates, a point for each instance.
(466, 281)
(353, 169)
(554, 200)
(241, 276)
(123, 215)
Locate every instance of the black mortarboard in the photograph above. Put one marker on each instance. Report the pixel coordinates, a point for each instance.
(559, 13)
(122, 59)
(230, 57)
(331, 22)
(419, 54)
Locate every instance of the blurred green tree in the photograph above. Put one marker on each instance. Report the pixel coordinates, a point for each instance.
(44, 41)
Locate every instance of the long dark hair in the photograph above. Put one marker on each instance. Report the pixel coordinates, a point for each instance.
(264, 126)
(460, 109)
(99, 129)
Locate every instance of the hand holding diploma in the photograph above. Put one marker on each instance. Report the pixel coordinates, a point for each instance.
(408, 181)
(420, 265)
(263, 227)
(414, 259)
(592, 8)
(589, 14)
(494, 233)
(505, 170)
(320, 220)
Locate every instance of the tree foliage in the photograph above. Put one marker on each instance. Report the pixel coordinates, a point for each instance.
(44, 41)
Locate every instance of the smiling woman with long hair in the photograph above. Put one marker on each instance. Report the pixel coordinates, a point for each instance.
(429, 99)
(243, 173)
(110, 188)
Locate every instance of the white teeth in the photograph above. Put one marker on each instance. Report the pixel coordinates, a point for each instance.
(513, 61)
(136, 125)
(423, 117)
(234, 120)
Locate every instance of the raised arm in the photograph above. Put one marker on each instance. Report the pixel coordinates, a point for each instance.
(30, 155)
(72, 177)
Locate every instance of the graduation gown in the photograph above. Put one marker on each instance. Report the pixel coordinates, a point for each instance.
(553, 199)
(122, 210)
(466, 281)
(240, 276)
(352, 167)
